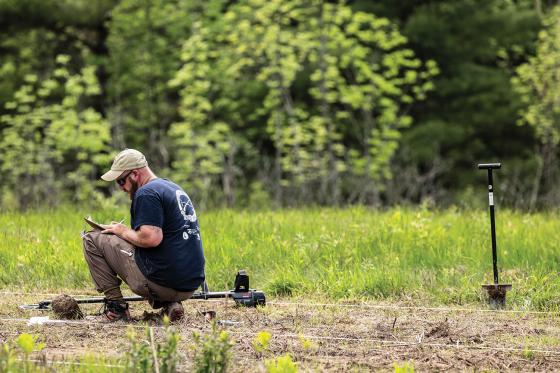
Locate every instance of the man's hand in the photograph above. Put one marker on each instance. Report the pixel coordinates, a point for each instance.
(114, 228)
(146, 236)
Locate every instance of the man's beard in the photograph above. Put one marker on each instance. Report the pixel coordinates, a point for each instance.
(133, 188)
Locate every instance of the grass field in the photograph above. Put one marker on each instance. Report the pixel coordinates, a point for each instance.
(347, 290)
(427, 257)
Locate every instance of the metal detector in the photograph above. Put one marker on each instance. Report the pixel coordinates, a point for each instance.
(496, 291)
(241, 294)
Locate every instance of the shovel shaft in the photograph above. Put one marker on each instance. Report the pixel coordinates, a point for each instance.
(492, 224)
(494, 252)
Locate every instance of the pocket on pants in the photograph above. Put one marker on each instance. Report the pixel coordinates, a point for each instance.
(134, 278)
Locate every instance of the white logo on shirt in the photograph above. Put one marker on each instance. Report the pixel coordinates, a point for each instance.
(189, 215)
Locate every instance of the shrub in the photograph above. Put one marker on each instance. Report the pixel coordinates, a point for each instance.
(261, 341)
(146, 354)
(212, 351)
(282, 364)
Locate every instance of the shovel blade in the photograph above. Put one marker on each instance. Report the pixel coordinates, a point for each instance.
(496, 295)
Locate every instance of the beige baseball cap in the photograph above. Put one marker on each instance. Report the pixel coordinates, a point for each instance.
(128, 159)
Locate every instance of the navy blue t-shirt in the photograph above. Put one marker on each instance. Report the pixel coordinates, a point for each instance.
(178, 261)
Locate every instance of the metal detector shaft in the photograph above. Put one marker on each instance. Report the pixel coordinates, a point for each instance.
(136, 298)
(45, 304)
(250, 298)
(241, 295)
(490, 167)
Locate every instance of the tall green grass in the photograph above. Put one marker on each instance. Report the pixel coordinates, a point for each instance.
(436, 257)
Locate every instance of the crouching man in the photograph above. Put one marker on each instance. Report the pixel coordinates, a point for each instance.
(161, 257)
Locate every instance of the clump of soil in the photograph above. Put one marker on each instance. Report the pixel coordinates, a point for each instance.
(66, 307)
(440, 330)
(151, 318)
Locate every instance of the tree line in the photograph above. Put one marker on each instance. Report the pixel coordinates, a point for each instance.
(282, 102)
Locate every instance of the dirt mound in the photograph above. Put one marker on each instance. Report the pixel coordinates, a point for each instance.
(440, 330)
(151, 318)
(66, 307)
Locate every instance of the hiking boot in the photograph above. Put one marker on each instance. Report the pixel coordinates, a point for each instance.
(173, 310)
(115, 310)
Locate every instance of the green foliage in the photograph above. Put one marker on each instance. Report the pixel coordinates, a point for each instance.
(28, 343)
(52, 140)
(144, 46)
(15, 357)
(212, 351)
(139, 356)
(282, 286)
(528, 353)
(437, 257)
(470, 116)
(282, 364)
(261, 341)
(144, 355)
(322, 84)
(304, 102)
(537, 80)
(307, 344)
(30, 51)
(407, 367)
(537, 83)
(147, 355)
(8, 359)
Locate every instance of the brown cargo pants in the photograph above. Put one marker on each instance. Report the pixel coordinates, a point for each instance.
(111, 261)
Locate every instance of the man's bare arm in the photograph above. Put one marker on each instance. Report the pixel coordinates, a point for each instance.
(146, 236)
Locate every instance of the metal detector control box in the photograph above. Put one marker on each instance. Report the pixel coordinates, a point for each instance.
(241, 282)
(245, 296)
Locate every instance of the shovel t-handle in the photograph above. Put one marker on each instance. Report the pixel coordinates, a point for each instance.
(489, 166)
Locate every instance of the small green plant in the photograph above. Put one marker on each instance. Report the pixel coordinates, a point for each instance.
(167, 351)
(261, 341)
(212, 351)
(138, 356)
(528, 353)
(28, 343)
(8, 358)
(282, 364)
(407, 367)
(146, 355)
(16, 357)
(307, 344)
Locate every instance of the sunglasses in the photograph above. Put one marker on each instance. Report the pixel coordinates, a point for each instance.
(122, 180)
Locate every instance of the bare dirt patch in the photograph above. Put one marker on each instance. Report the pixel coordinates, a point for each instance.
(325, 337)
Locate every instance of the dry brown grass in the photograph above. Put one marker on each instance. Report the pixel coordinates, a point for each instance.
(325, 337)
